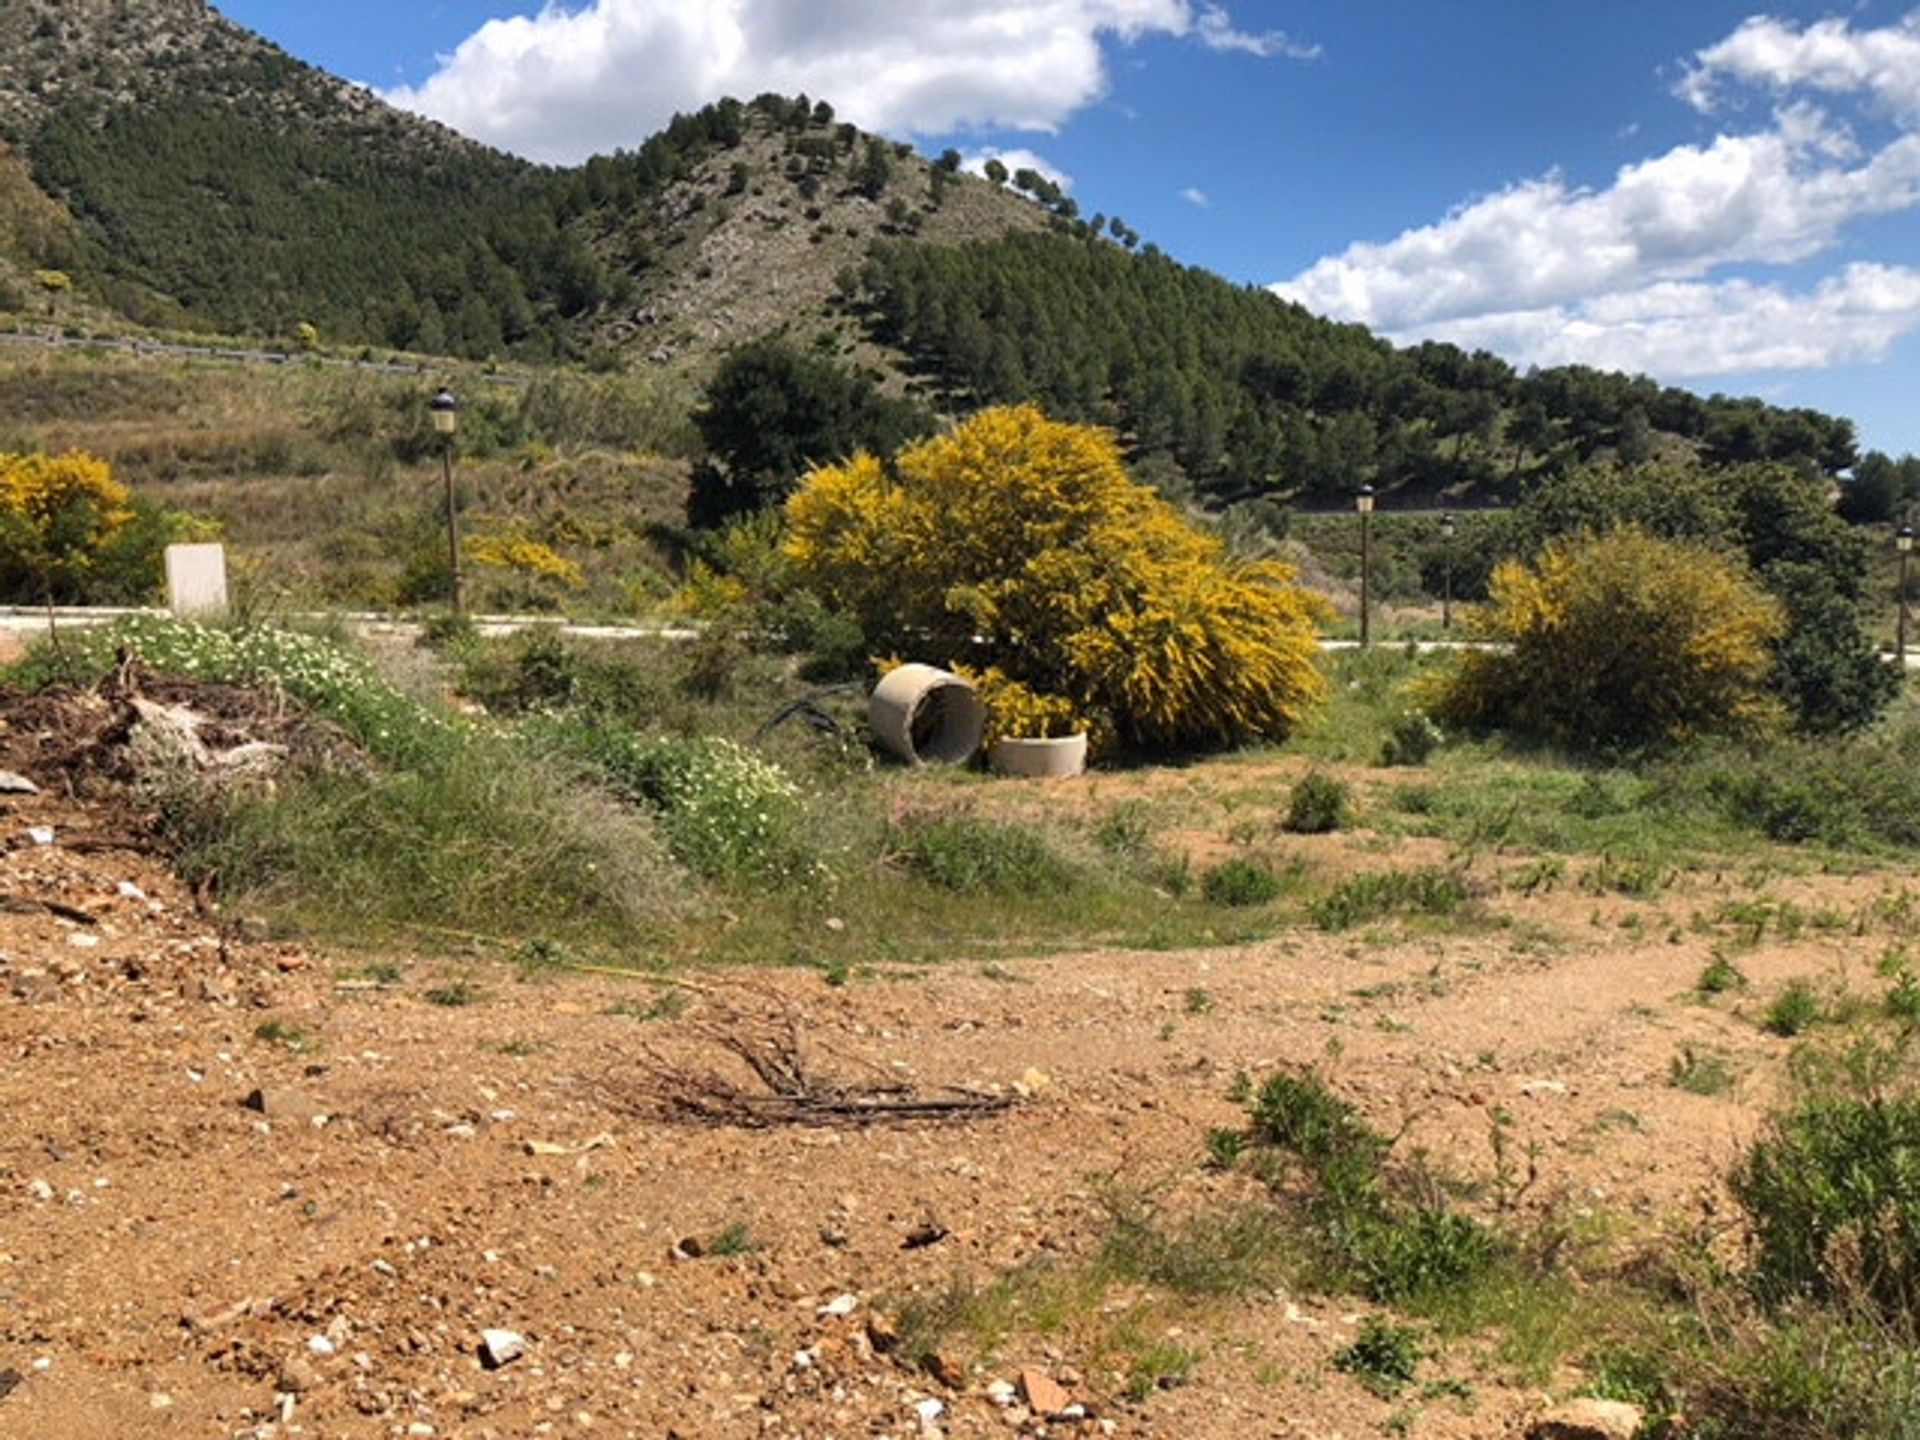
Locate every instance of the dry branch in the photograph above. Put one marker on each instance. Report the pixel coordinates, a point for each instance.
(779, 1086)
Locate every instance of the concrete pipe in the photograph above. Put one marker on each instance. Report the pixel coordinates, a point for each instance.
(926, 714)
(1040, 759)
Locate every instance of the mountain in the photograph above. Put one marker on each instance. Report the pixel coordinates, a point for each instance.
(190, 174)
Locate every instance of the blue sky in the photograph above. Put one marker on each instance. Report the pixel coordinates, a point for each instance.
(1719, 196)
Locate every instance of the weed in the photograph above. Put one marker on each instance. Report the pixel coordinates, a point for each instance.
(1623, 875)
(1794, 1010)
(983, 857)
(1384, 1357)
(1317, 805)
(669, 1004)
(1126, 830)
(1699, 1073)
(279, 1032)
(454, 996)
(1225, 1147)
(1197, 1001)
(1238, 882)
(1903, 999)
(1720, 977)
(1427, 891)
(735, 1239)
(1541, 875)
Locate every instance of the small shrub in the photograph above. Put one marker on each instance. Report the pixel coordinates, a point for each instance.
(973, 856)
(1384, 1357)
(1411, 740)
(1317, 805)
(1238, 882)
(1793, 1010)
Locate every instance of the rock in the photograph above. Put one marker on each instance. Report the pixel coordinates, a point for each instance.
(946, 1367)
(882, 1333)
(13, 783)
(298, 1376)
(40, 1190)
(1002, 1393)
(930, 1410)
(1043, 1393)
(839, 1305)
(501, 1347)
(1588, 1419)
(9, 1382)
(40, 834)
(283, 1102)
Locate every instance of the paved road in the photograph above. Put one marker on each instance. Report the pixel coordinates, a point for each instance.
(25, 623)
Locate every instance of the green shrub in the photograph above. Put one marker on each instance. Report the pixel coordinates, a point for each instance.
(1317, 805)
(1239, 882)
(1382, 1231)
(1426, 891)
(1411, 740)
(1383, 1357)
(973, 856)
(1832, 1192)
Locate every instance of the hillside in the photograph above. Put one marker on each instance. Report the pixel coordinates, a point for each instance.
(192, 175)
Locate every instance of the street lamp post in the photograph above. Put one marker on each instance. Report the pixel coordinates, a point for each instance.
(1903, 541)
(1446, 572)
(446, 423)
(1363, 502)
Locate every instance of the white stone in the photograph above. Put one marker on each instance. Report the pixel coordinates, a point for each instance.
(501, 1347)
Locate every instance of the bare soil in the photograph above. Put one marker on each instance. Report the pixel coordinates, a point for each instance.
(173, 1262)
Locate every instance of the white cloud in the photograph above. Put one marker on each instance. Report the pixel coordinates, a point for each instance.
(1215, 31)
(1682, 330)
(1773, 197)
(565, 82)
(1016, 161)
(1194, 195)
(1630, 275)
(1829, 56)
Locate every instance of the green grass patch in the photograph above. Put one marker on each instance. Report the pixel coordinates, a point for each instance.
(1426, 891)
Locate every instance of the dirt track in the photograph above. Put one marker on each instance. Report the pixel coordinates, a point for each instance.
(172, 1262)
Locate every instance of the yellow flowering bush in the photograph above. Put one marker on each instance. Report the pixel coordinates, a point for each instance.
(524, 556)
(1018, 546)
(1020, 712)
(1619, 640)
(58, 515)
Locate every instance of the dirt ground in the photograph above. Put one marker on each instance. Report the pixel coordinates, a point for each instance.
(174, 1262)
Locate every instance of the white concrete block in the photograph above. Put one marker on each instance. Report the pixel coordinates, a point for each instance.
(197, 580)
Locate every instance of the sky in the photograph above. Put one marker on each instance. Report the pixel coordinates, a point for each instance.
(1717, 195)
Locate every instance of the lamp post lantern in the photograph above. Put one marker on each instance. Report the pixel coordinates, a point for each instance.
(1446, 571)
(446, 424)
(1903, 541)
(1363, 502)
